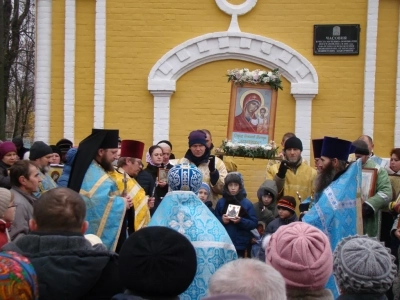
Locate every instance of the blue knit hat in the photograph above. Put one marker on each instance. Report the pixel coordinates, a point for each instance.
(205, 186)
(197, 137)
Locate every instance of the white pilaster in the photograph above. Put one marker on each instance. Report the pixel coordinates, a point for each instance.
(100, 64)
(43, 70)
(397, 115)
(370, 67)
(162, 101)
(303, 121)
(69, 69)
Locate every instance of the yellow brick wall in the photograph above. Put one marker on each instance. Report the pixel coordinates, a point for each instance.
(140, 33)
(84, 68)
(57, 72)
(385, 82)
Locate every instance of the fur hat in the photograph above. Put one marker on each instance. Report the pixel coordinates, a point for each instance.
(157, 262)
(7, 147)
(294, 143)
(287, 202)
(185, 177)
(5, 200)
(302, 254)
(363, 265)
(234, 177)
(38, 150)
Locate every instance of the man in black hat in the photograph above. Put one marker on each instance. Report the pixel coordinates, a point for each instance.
(105, 207)
(40, 155)
(293, 176)
(64, 145)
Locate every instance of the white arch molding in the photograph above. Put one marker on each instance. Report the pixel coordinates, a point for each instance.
(241, 46)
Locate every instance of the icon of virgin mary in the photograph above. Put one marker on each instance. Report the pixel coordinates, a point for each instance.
(247, 121)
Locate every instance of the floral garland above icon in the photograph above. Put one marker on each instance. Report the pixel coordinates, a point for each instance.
(242, 76)
(269, 151)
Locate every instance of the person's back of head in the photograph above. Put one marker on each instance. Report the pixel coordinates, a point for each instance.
(362, 265)
(18, 279)
(302, 254)
(157, 263)
(59, 210)
(249, 277)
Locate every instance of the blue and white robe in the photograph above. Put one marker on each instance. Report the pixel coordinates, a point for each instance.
(186, 213)
(335, 212)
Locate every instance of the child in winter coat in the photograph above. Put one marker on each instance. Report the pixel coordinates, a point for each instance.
(204, 195)
(286, 211)
(238, 227)
(265, 208)
(7, 213)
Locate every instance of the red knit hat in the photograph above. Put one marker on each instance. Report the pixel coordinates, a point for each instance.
(302, 254)
(7, 147)
(287, 202)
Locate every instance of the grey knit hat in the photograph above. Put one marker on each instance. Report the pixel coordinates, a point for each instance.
(363, 265)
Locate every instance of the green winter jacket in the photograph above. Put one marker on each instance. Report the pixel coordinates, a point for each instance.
(380, 201)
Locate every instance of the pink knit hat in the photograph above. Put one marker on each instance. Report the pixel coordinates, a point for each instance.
(302, 254)
(7, 147)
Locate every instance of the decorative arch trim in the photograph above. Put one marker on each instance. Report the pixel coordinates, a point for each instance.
(234, 45)
(241, 46)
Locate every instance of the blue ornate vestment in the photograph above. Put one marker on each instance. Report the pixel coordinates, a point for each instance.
(105, 210)
(186, 213)
(47, 184)
(335, 212)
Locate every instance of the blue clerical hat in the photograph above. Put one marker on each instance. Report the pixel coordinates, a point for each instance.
(317, 147)
(336, 148)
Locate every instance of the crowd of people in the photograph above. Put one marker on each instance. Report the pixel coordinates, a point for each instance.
(109, 227)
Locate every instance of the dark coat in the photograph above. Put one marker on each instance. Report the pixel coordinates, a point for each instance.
(209, 205)
(129, 296)
(278, 222)
(147, 180)
(4, 178)
(68, 267)
(362, 297)
(268, 213)
(239, 233)
(21, 152)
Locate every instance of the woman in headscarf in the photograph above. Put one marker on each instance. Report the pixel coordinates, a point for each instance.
(184, 212)
(17, 277)
(148, 178)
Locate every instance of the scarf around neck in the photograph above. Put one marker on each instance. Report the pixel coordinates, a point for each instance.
(198, 160)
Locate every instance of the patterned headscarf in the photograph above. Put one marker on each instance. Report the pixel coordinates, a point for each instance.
(17, 277)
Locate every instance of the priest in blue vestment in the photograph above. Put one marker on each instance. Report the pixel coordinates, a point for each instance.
(105, 208)
(336, 187)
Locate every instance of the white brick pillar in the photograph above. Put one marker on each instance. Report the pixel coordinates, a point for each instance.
(100, 64)
(162, 101)
(303, 121)
(370, 67)
(69, 69)
(43, 70)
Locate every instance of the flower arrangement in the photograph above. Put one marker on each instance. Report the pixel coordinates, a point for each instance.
(268, 151)
(242, 76)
